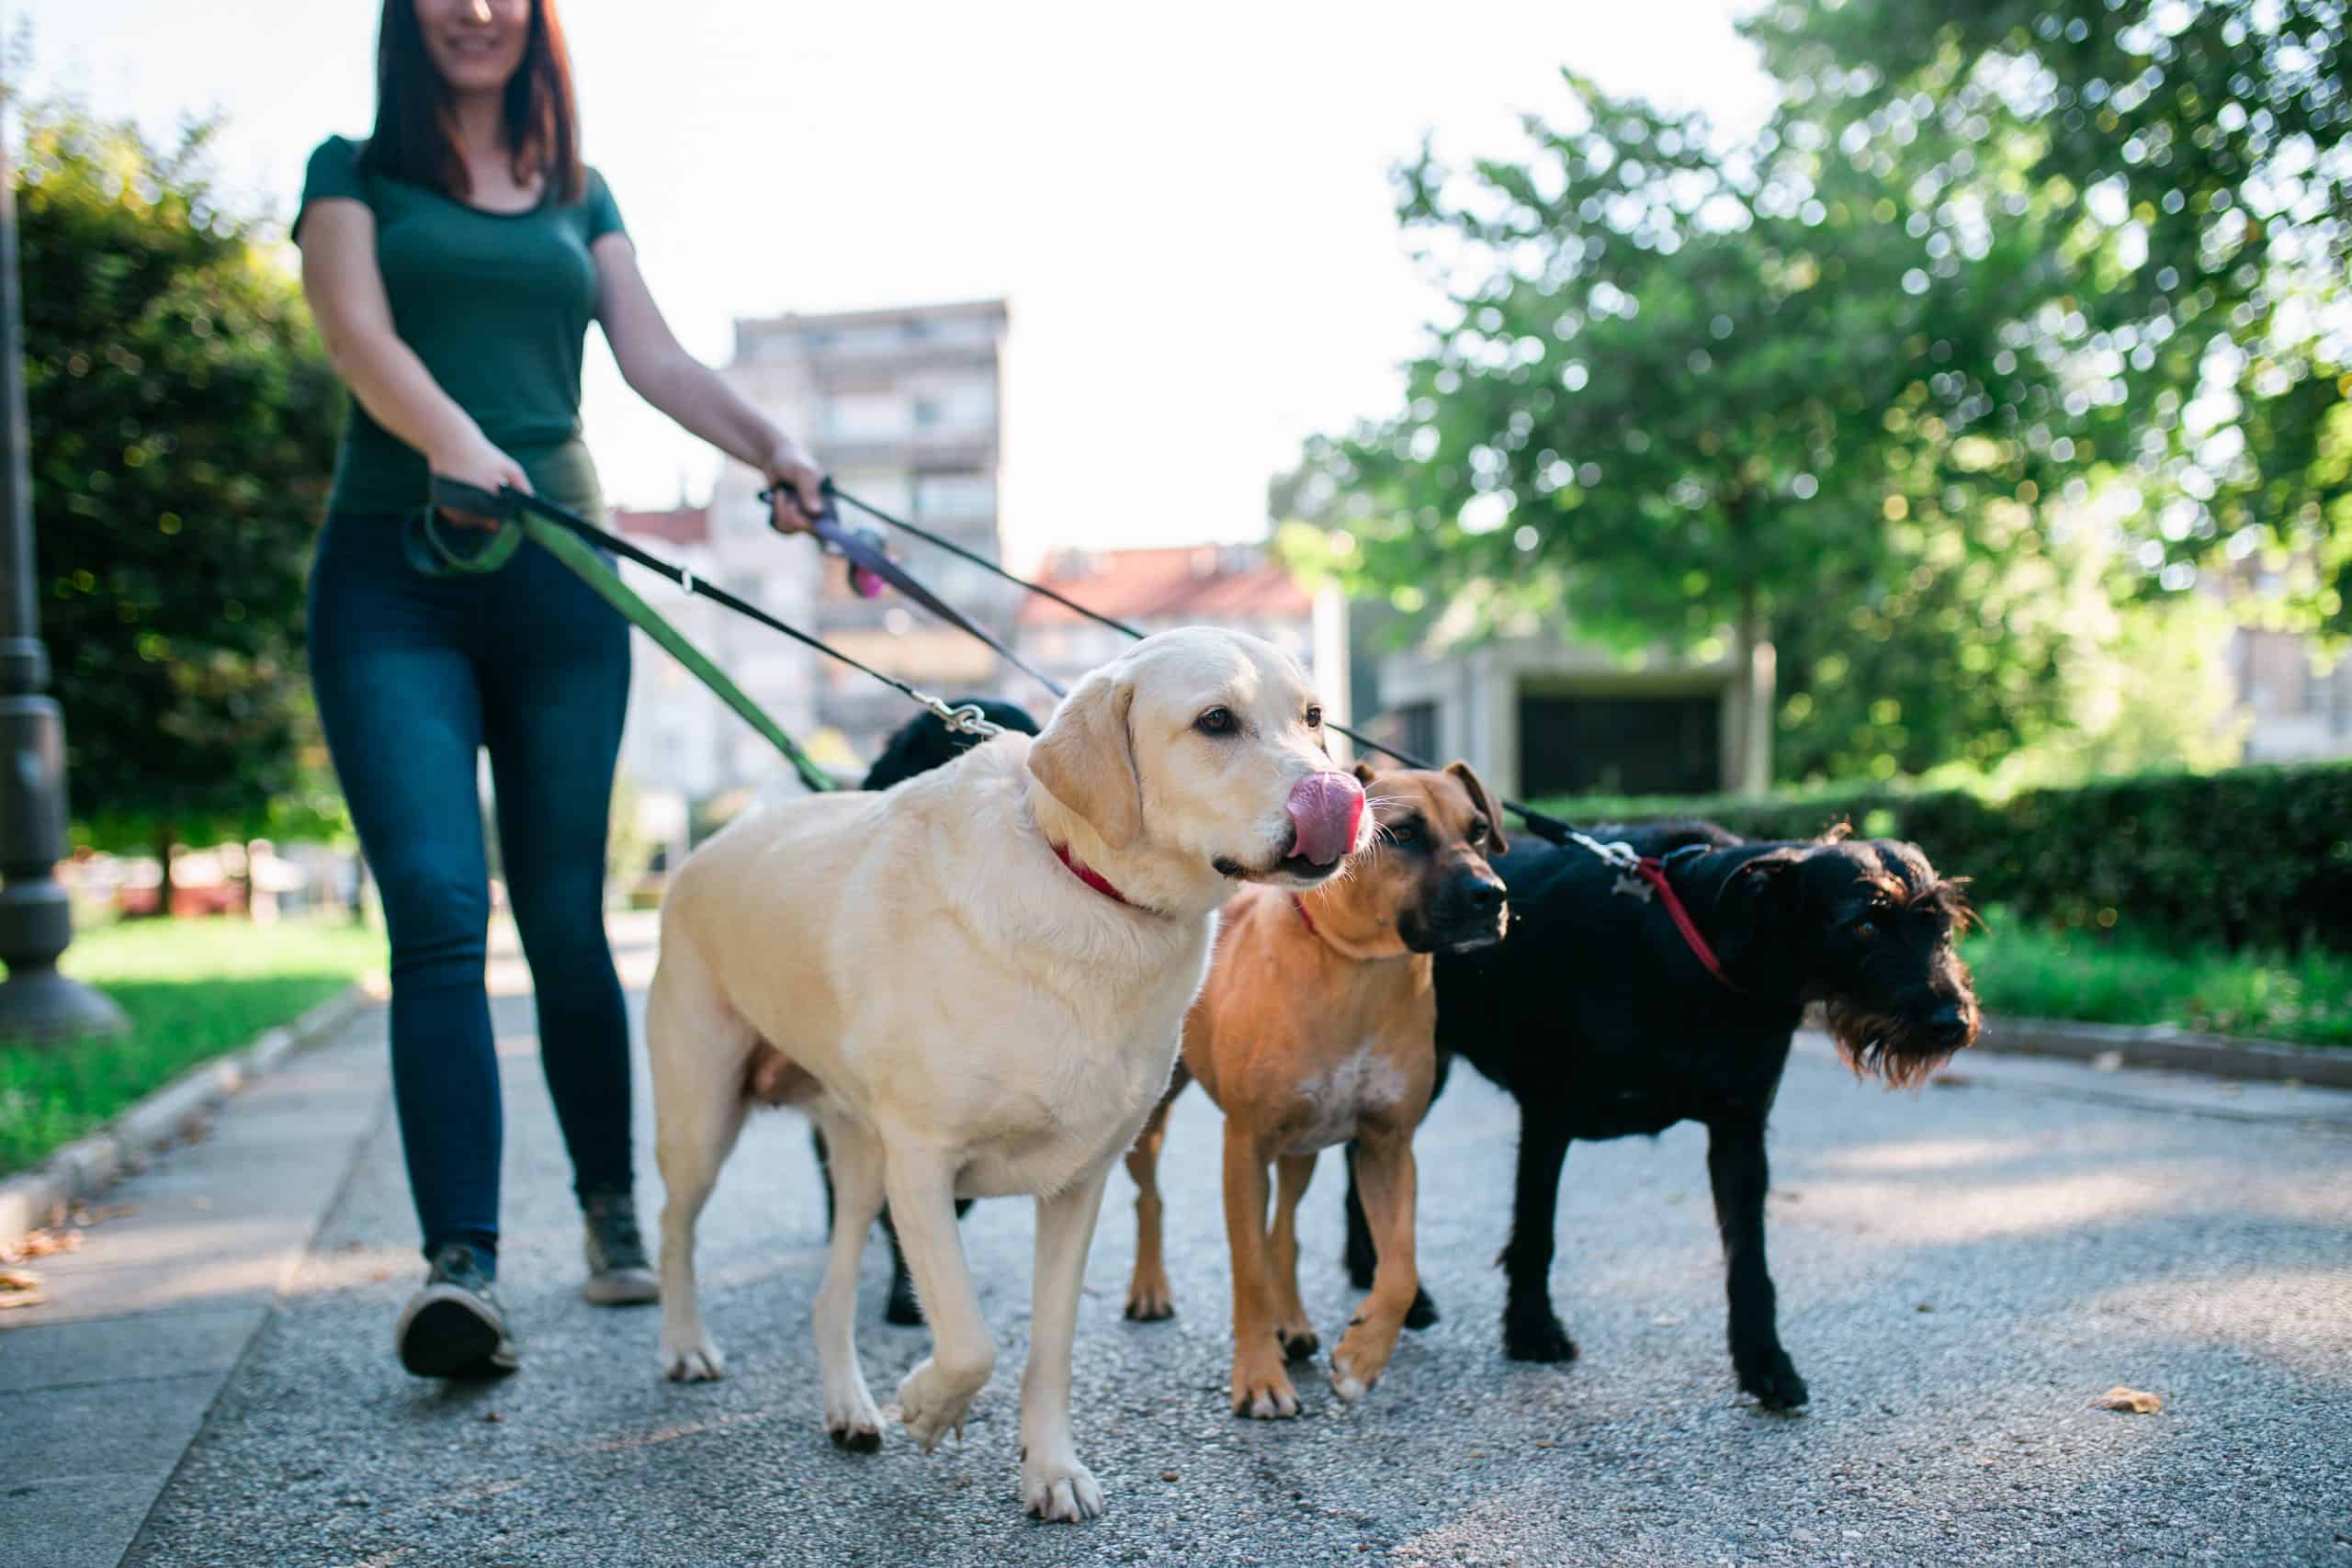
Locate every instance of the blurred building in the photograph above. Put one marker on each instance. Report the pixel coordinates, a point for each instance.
(902, 406)
(1540, 715)
(2296, 710)
(1238, 587)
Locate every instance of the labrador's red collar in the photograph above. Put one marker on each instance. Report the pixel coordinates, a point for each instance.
(1091, 877)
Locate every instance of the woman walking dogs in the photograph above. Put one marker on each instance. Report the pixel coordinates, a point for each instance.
(454, 261)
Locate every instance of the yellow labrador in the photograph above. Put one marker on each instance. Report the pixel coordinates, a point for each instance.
(975, 983)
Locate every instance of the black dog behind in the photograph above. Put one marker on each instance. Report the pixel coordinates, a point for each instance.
(921, 744)
(1596, 1017)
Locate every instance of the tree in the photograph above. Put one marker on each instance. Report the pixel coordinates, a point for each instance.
(2192, 162)
(183, 422)
(1697, 396)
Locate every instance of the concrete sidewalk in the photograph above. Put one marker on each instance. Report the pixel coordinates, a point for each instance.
(108, 1383)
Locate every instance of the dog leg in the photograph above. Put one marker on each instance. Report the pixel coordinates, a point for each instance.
(1054, 1484)
(1390, 1187)
(698, 1049)
(1363, 1256)
(1736, 1169)
(1150, 1297)
(1261, 1387)
(934, 1398)
(1292, 1329)
(1532, 1331)
(854, 1163)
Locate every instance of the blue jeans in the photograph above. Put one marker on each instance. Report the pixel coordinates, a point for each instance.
(415, 673)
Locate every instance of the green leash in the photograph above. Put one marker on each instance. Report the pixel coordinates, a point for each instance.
(592, 568)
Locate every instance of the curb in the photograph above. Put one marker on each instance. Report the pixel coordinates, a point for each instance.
(2161, 1045)
(86, 1168)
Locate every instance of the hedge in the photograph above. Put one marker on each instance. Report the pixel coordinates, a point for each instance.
(2252, 857)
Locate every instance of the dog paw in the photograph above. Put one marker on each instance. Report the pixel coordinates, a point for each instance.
(1772, 1378)
(691, 1358)
(1537, 1336)
(1298, 1343)
(902, 1308)
(1362, 1356)
(1150, 1301)
(1058, 1489)
(932, 1405)
(853, 1424)
(1423, 1312)
(1262, 1390)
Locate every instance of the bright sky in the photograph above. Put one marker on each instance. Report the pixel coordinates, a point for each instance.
(1187, 208)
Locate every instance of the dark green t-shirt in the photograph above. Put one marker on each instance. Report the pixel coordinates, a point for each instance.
(497, 306)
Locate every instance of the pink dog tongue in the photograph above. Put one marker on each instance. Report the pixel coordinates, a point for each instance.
(1324, 811)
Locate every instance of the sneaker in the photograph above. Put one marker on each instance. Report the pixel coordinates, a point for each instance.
(454, 1328)
(619, 1273)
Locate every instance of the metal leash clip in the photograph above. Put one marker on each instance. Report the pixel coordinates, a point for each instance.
(1624, 859)
(964, 719)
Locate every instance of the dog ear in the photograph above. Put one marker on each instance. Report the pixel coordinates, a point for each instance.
(1496, 844)
(1365, 775)
(1086, 758)
(1772, 878)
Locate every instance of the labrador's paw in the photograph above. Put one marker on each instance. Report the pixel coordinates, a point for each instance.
(933, 1404)
(853, 1423)
(690, 1356)
(1058, 1489)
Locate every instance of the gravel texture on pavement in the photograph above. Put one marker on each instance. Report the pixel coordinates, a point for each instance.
(1962, 1271)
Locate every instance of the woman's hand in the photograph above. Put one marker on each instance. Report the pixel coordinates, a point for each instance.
(798, 486)
(474, 461)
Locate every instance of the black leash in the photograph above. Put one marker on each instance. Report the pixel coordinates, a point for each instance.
(452, 495)
(1545, 826)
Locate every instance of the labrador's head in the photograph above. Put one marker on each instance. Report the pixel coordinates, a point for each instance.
(1202, 750)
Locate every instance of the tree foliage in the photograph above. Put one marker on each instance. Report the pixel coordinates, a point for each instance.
(2190, 162)
(183, 422)
(1695, 395)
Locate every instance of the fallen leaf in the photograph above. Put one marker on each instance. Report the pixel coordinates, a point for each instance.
(2138, 1401)
(492, 1415)
(1167, 1476)
(41, 1244)
(1927, 1306)
(18, 1280)
(9, 1299)
(1951, 1080)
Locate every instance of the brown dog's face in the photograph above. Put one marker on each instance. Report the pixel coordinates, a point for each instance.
(1426, 873)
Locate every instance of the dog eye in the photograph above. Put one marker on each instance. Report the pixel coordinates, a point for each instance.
(1479, 829)
(1402, 832)
(1216, 721)
(1866, 929)
(1313, 718)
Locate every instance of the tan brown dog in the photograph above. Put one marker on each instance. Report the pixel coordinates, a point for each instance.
(1315, 1026)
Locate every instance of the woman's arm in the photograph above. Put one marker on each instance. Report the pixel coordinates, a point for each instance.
(665, 375)
(347, 294)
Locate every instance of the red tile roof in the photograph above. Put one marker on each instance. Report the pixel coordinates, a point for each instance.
(1190, 582)
(678, 525)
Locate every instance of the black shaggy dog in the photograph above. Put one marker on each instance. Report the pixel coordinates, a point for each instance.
(1598, 1018)
(922, 743)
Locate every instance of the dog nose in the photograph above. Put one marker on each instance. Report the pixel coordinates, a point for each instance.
(1484, 898)
(1326, 814)
(1949, 1024)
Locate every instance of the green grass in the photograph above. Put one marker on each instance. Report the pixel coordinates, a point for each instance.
(194, 988)
(2094, 977)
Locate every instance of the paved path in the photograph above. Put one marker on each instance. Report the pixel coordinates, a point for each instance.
(1960, 1270)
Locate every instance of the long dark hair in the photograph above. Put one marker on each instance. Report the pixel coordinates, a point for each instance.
(416, 137)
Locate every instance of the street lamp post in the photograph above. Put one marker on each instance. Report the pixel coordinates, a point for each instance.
(37, 1003)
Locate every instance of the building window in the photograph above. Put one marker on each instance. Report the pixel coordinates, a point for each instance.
(955, 498)
(1661, 745)
(1415, 728)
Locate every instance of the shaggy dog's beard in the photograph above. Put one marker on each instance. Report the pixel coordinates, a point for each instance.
(1889, 1048)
